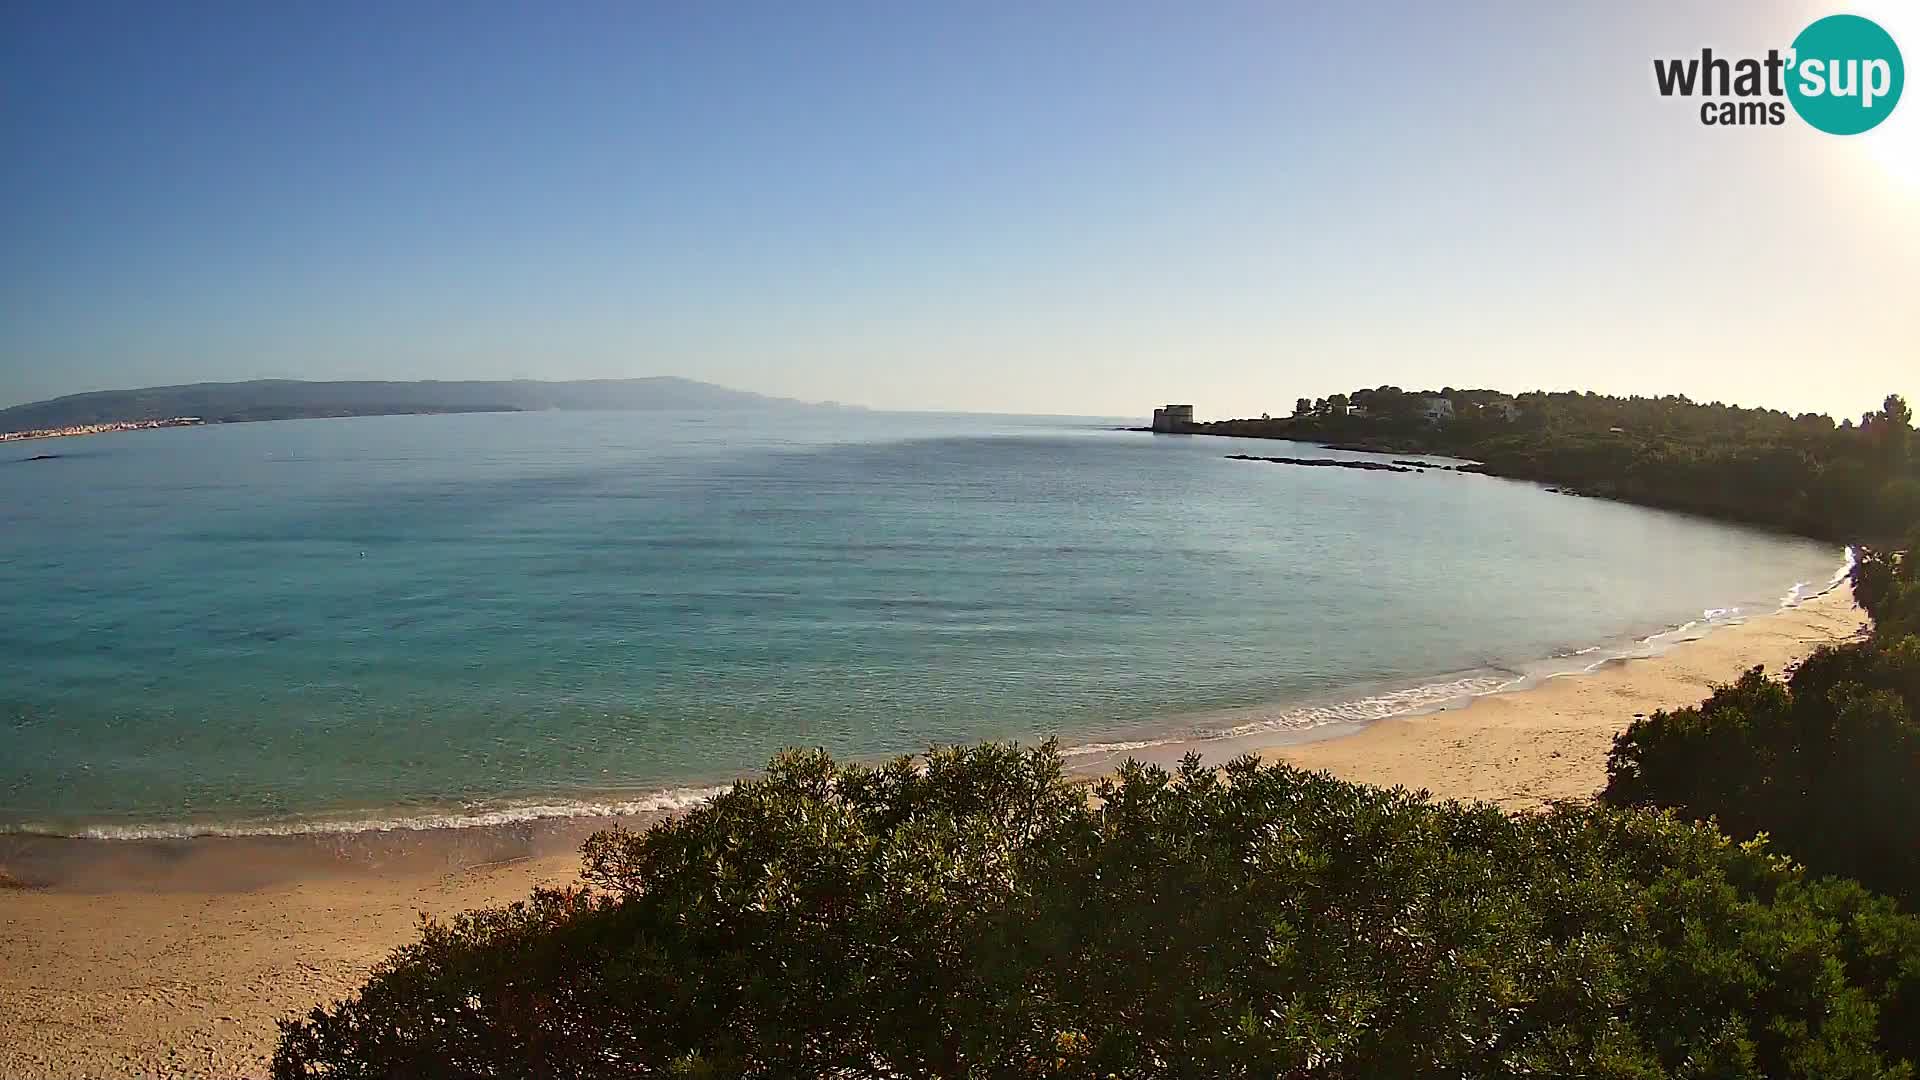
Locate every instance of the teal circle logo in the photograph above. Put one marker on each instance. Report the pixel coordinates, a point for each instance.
(1846, 74)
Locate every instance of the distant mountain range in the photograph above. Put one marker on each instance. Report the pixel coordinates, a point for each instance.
(288, 399)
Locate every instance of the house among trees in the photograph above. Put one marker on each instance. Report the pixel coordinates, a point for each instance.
(1435, 408)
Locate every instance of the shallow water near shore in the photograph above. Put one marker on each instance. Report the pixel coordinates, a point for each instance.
(406, 622)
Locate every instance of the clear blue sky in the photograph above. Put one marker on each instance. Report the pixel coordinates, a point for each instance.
(1056, 207)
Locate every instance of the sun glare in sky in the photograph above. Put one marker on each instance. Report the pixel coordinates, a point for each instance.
(1895, 147)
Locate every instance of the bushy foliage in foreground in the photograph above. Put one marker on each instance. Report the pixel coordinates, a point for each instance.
(981, 916)
(1887, 584)
(1827, 763)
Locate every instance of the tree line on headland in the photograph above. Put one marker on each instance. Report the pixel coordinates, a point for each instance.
(1804, 473)
(1742, 901)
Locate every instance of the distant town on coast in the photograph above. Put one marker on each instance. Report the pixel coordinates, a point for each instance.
(99, 429)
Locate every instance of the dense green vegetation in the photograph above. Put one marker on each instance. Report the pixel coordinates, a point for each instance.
(982, 916)
(1826, 762)
(1802, 473)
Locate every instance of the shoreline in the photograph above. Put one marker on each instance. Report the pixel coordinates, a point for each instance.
(1548, 742)
(177, 957)
(146, 853)
(1470, 465)
(111, 427)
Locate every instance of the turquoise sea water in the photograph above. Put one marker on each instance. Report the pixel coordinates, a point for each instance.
(409, 620)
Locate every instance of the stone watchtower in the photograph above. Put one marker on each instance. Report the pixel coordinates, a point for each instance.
(1173, 418)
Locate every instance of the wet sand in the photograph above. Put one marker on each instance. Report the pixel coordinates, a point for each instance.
(175, 958)
(1524, 749)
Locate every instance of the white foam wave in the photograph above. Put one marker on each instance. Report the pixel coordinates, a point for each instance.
(1709, 619)
(1114, 747)
(1362, 710)
(673, 799)
(1803, 591)
(1850, 557)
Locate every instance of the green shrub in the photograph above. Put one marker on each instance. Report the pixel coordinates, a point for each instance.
(1887, 585)
(981, 916)
(1825, 763)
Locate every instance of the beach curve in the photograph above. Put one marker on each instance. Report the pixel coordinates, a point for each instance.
(184, 974)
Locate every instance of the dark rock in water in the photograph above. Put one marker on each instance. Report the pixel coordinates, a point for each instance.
(1326, 463)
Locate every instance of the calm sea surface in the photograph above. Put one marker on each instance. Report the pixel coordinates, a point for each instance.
(337, 623)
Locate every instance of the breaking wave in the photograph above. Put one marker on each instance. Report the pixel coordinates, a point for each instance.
(667, 801)
(1414, 699)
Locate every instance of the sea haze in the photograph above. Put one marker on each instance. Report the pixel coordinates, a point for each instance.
(417, 619)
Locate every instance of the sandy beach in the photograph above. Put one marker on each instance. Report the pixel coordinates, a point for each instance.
(175, 960)
(1524, 749)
